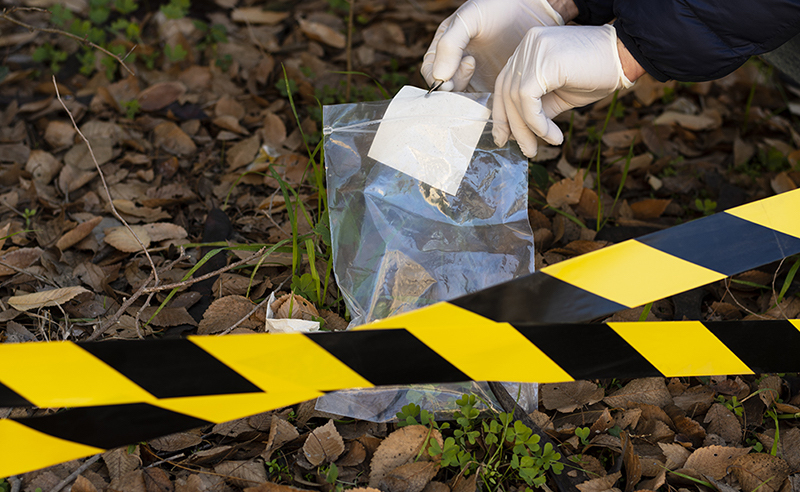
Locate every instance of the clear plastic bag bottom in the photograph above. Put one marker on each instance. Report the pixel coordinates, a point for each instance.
(400, 244)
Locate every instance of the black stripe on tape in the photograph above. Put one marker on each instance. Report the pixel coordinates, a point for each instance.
(537, 297)
(111, 426)
(589, 351)
(724, 243)
(389, 357)
(10, 398)
(171, 368)
(765, 346)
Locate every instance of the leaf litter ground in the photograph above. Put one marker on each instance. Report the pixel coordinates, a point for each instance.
(201, 156)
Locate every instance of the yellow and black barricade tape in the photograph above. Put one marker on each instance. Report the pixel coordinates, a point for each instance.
(519, 331)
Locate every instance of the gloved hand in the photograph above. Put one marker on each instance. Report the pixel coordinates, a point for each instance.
(472, 45)
(554, 69)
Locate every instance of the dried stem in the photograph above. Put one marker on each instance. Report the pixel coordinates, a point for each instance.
(256, 308)
(349, 50)
(5, 14)
(74, 475)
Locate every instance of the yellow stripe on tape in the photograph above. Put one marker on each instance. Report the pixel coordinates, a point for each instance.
(687, 349)
(23, 449)
(281, 363)
(624, 273)
(56, 376)
(481, 348)
(779, 212)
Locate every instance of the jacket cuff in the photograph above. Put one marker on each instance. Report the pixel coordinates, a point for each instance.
(630, 44)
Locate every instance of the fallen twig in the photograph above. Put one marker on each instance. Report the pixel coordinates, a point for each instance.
(74, 475)
(5, 14)
(257, 306)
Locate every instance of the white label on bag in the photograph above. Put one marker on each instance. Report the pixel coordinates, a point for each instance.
(430, 137)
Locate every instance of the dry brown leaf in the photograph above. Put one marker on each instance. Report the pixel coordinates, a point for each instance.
(622, 138)
(400, 447)
(273, 130)
(322, 33)
(782, 183)
(176, 442)
(78, 233)
(132, 481)
(21, 258)
(256, 15)
(274, 487)
(604, 422)
(695, 400)
(161, 95)
(675, 453)
(601, 484)
(71, 178)
(82, 484)
(231, 124)
(685, 425)
(433, 486)
(242, 473)
(566, 192)
(633, 466)
(280, 432)
(707, 120)
(769, 390)
(355, 455)
(655, 483)
(714, 460)
(411, 477)
(566, 397)
(59, 134)
(53, 297)
(628, 418)
(162, 231)
(295, 307)
(760, 471)
(120, 462)
(651, 391)
(649, 208)
(42, 166)
(172, 139)
(157, 480)
(323, 445)
(127, 207)
(122, 239)
(228, 106)
(242, 153)
(724, 423)
(79, 156)
(226, 311)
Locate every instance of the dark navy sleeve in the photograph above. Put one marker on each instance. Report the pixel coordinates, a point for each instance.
(698, 40)
(594, 12)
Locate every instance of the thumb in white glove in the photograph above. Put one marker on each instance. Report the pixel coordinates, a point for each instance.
(554, 69)
(472, 45)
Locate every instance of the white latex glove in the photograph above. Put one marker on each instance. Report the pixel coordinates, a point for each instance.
(554, 69)
(472, 45)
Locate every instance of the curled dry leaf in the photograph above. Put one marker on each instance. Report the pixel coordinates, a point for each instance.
(59, 134)
(256, 15)
(82, 484)
(465, 484)
(162, 231)
(706, 120)
(54, 297)
(760, 471)
(226, 311)
(714, 461)
(566, 192)
(242, 473)
(176, 442)
(323, 445)
(399, 448)
(274, 487)
(228, 106)
(320, 32)
(243, 152)
(294, 306)
(356, 453)
(172, 139)
(161, 95)
(601, 484)
(649, 208)
(71, 178)
(78, 233)
(566, 397)
(121, 462)
(21, 258)
(769, 390)
(652, 391)
(690, 428)
(280, 432)
(724, 423)
(675, 453)
(411, 477)
(42, 166)
(122, 239)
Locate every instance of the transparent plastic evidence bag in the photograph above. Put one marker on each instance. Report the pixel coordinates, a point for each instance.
(423, 208)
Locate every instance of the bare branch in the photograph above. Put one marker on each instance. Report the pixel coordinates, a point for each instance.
(5, 14)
